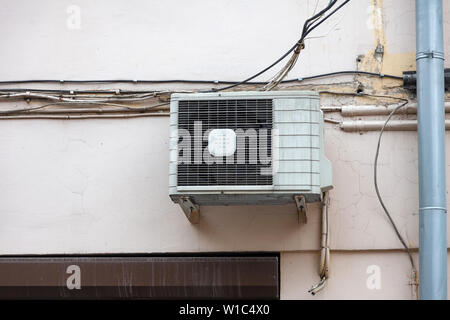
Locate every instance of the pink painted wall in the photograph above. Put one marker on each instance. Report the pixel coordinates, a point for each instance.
(101, 185)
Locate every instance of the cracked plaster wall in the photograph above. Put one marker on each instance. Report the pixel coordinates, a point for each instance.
(101, 185)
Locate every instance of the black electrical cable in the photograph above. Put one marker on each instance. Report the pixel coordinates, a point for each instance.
(326, 18)
(381, 75)
(375, 179)
(113, 81)
(309, 25)
(77, 91)
(298, 44)
(257, 74)
(300, 79)
(317, 15)
(362, 94)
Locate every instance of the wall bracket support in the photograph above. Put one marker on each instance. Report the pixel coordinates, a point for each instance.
(190, 209)
(300, 201)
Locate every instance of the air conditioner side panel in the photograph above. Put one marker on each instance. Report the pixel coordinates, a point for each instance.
(173, 147)
(297, 145)
(326, 169)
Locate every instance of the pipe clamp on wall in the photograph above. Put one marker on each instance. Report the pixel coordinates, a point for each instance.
(433, 208)
(431, 54)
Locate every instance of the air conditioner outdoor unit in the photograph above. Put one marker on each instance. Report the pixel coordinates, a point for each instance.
(246, 148)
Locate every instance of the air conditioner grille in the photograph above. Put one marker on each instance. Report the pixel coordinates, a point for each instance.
(227, 114)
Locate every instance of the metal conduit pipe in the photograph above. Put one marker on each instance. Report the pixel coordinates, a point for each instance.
(85, 116)
(355, 111)
(431, 146)
(89, 110)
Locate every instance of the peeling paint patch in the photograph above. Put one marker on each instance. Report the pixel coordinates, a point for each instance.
(379, 59)
(396, 63)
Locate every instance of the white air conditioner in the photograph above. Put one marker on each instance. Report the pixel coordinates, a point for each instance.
(246, 148)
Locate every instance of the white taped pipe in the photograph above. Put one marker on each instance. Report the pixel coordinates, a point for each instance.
(325, 247)
(354, 111)
(375, 125)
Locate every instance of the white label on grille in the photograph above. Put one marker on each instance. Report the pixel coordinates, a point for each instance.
(222, 142)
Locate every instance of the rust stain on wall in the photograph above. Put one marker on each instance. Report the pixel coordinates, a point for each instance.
(379, 59)
(372, 61)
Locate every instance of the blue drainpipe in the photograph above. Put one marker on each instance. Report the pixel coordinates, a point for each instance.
(431, 144)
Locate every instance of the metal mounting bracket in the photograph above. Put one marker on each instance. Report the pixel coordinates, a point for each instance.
(300, 201)
(190, 209)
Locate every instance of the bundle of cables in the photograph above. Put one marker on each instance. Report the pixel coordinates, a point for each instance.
(309, 25)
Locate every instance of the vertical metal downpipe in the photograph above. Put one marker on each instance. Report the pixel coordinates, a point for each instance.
(431, 145)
